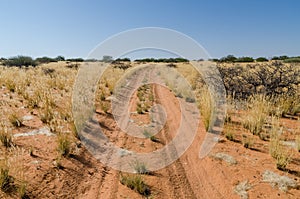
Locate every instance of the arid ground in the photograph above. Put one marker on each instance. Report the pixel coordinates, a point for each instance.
(256, 156)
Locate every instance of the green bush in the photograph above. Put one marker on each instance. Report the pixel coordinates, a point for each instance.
(20, 61)
(228, 58)
(244, 59)
(45, 60)
(75, 60)
(292, 60)
(283, 57)
(163, 60)
(60, 58)
(261, 59)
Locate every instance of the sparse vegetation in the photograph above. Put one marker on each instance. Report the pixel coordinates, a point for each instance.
(64, 144)
(140, 167)
(277, 151)
(206, 106)
(5, 178)
(283, 158)
(247, 141)
(5, 137)
(284, 183)
(15, 120)
(136, 183)
(242, 188)
(298, 143)
(229, 135)
(20, 61)
(258, 110)
(267, 109)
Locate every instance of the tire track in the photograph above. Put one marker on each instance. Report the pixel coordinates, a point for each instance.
(179, 184)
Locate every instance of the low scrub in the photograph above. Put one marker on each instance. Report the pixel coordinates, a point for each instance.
(20, 61)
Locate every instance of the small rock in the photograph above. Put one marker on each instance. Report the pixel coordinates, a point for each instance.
(42, 131)
(27, 117)
(35, 162)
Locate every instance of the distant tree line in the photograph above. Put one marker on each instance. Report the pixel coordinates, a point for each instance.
(164, 60)
(29, 61)
(233, 59)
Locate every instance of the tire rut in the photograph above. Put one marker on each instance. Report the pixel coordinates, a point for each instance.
(179, 184)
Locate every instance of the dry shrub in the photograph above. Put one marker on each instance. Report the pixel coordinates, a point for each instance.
(272, 78)
(257, 114)
(205, 105)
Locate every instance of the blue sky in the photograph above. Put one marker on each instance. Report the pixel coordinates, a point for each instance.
(72, 28)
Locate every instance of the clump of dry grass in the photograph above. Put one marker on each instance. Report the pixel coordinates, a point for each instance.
(247, 141)
(283, 158)
(276, 150)
(145, 99)
(257, 114)
(298, 143)
(205, 105)
(15, 120)
(63, 144)
(136, 183)
(284, 104)
(230, 132)
(5, 136)
(18, 171)
(140, 167)
(5, 178)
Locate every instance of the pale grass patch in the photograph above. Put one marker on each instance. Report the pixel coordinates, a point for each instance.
(18, 171)
(247, 141)
(205, 105)
(242, 188)
(257, 114)
(276, 150)
(5, 178)
(298, 143)
(6, 137)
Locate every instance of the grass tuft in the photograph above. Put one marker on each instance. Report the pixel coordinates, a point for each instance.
(136, 183)
(5, 137)
(63, 145)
